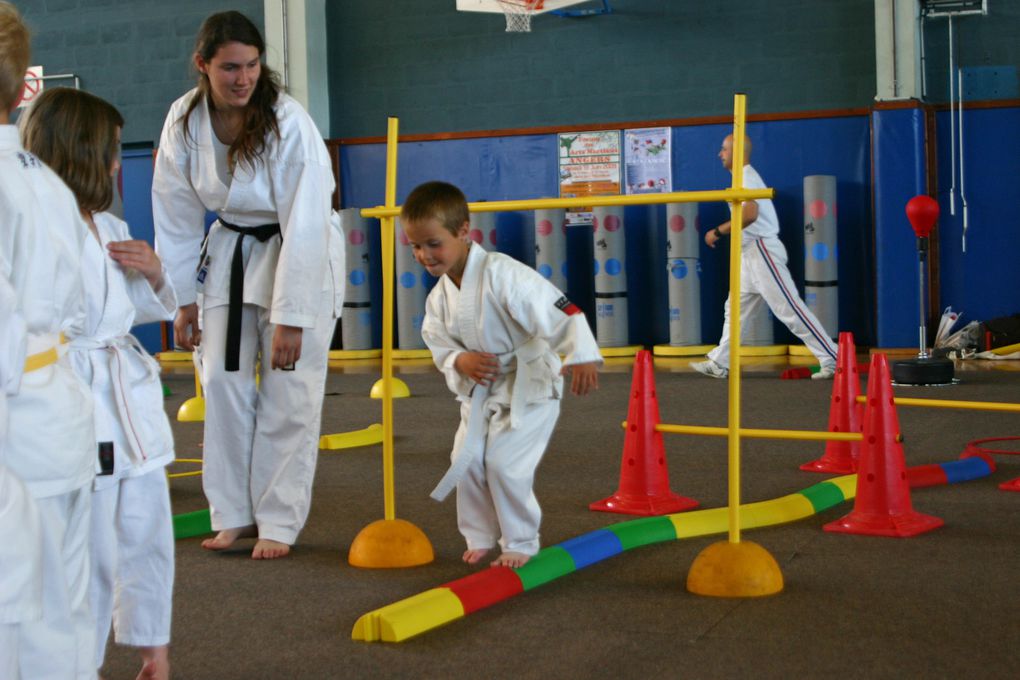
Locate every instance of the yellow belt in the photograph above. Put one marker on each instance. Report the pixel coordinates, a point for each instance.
(33, 362)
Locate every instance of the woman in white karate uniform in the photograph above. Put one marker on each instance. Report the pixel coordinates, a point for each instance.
(51, 446)
(263, 289)
(78, 135)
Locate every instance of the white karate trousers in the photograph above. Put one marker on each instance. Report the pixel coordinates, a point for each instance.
(261, 445)
(496, 496)
(132, 562)
(765, 278)
(62, 644)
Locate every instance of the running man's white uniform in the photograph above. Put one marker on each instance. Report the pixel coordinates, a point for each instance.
(765, 278)
(510, 310)
(261, 444)
(51, 444)
(132, 527)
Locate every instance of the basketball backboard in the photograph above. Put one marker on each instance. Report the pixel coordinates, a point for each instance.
(494, 6)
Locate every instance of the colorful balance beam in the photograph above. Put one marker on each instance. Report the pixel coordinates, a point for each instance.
(436, 607)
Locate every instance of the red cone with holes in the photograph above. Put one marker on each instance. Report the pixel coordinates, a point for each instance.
(882, 506)
(644, 479)
(844, 413)
(1011, 485)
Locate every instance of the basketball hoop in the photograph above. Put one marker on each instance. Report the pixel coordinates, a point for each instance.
(518, 14)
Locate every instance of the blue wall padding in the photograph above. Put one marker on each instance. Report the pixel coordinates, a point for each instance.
(982, 283)
(593, 547)
(966, 469)
(136, 161)
(503, 168)
(900, 162)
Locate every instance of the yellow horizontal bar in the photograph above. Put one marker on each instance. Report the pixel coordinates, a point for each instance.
(757, 433)
(950, 403)
(727, 195)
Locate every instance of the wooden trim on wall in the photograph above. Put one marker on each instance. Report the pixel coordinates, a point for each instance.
(553, 129)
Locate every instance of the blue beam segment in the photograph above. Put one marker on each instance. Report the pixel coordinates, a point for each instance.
(593, 547)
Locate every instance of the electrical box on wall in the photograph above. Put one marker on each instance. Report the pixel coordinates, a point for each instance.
(946, 8)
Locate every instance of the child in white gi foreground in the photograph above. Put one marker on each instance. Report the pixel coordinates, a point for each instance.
(78, 135)
(267, 282)
(21, 544)
(496, 329)
(51, 442)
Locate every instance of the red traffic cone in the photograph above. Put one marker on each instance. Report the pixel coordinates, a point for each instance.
(882, 506)
(644, 480)
(844, 413)
(1011, 485)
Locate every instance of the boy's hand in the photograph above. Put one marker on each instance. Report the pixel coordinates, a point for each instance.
(584, 379)
(482, 367)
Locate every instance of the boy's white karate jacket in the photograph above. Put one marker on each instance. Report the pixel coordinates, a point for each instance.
(124, 377)
(20, 539)
(508, 309)
(51, 447)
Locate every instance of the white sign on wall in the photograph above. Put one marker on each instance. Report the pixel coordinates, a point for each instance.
(33, 85)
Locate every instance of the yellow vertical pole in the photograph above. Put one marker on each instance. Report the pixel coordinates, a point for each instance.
(388, 255)
(736, 225)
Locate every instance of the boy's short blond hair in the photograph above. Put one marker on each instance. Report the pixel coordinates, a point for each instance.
(15, 51)
(439, 201)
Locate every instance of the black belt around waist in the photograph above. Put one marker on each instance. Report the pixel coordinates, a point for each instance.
(262, 233)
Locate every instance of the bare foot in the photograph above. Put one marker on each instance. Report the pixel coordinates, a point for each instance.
(511, 559)
(226, 538)
(155, 663)
(266, 549)
(475, 556)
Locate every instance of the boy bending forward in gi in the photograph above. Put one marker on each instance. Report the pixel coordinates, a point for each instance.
(496, 329)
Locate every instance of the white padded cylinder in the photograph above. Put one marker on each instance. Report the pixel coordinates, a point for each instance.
(683, 266)
(610, 248)
(821, 269)
(356, 321)
(551, 246)
(410, 286)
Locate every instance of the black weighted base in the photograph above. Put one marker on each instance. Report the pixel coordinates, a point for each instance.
(923, 372)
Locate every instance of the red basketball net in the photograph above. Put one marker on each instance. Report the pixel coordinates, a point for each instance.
(518, 14)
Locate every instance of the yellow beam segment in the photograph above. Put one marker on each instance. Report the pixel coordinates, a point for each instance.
(758, 433)
(409, 617)
(950, 403)
(727, 195)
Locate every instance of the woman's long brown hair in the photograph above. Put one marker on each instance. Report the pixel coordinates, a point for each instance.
(259, 116)
(75, 133)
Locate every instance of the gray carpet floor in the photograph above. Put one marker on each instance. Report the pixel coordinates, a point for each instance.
(944, 604)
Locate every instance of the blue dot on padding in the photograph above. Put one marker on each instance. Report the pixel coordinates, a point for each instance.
(407, 280)
(357, 277)
(678, 270)
(595, 268)
(613, 266)
(820, 251)
(545, 270)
